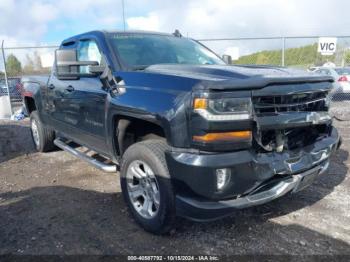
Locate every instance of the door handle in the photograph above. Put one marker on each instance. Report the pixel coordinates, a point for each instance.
(70, 88)
(51, 86)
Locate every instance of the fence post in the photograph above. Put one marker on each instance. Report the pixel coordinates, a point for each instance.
(283, 49)
(5, 72)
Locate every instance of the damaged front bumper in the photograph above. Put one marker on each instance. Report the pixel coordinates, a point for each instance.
(207, 210)
(256, 178)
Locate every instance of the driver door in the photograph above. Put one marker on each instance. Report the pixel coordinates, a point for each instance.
(83, 101)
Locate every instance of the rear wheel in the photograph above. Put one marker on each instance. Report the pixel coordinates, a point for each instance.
(146, 186)
(42, 136)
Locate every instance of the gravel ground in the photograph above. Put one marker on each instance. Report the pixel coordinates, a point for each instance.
(54, 203)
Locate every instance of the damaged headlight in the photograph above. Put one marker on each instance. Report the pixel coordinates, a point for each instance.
(223, 109)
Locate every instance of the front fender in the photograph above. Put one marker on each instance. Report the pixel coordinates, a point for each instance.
(164, 108)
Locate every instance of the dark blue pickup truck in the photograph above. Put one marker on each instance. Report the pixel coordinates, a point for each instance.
(192, 136)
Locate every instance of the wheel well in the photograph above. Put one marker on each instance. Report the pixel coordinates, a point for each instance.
(130, 130)
(30, 104)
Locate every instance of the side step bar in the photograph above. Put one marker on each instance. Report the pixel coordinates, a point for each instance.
(109, 168)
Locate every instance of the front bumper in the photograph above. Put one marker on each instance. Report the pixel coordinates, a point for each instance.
(208, 210)
(255, 178)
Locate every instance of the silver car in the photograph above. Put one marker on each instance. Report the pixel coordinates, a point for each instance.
(341, 77)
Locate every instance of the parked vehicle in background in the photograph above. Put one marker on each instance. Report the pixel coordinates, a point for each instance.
(14, 88)
(3, 89)
(193, 136)
(341, 77)
(313, 68)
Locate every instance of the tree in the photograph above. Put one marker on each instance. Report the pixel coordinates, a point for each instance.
(33, 64)
(29, 66)
(13, 65)
(302, 57)
(262, 59)
(37, 61)
(347, 58)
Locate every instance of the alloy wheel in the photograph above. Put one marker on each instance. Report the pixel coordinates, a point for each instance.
(143, 189)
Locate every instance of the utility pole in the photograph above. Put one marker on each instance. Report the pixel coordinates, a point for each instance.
(123, 14)
(5, 72)
(283, 50)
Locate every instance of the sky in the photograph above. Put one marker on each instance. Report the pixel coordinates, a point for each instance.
(24, 22)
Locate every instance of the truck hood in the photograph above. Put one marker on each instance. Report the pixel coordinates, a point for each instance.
(237, 77)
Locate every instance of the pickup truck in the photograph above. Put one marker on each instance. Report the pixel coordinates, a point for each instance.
(191, 135)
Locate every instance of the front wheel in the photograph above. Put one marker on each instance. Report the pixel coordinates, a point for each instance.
(146, 186)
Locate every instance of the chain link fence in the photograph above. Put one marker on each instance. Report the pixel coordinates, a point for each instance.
(296, 52)
(18, 62)
(5, 102)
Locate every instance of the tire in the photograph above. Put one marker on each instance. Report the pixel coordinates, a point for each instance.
(149, 154)
(42, 136)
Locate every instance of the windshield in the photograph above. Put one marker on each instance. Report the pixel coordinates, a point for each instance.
(343, 71)
(141, 50)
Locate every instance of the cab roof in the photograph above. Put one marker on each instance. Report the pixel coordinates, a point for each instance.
(102, 33)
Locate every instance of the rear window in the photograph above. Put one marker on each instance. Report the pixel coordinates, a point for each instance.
(342, 71)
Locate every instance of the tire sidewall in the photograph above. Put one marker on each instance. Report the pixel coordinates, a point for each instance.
(166, 206)
(34, 117)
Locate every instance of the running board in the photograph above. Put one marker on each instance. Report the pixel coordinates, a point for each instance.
(109, 168)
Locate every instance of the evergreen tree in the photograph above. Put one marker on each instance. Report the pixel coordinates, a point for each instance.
(13, 65)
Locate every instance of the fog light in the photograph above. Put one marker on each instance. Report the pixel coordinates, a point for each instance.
(222, 177)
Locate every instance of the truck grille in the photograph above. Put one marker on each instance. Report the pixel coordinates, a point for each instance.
(300, 102)
(294, 138)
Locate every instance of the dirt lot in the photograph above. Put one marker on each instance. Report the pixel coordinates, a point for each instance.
(55, 204)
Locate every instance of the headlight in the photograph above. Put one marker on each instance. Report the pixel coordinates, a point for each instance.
(223, 109)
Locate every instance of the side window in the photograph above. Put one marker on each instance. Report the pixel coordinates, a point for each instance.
(88, 51)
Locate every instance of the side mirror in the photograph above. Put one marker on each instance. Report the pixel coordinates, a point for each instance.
(227, 59)
(67, 64)
(99, 69)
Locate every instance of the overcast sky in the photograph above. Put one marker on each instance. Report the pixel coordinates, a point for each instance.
(48, 21)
